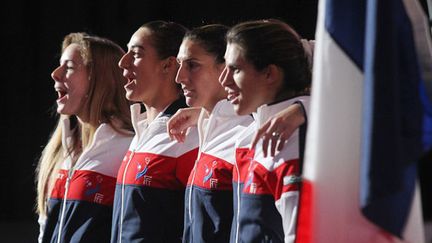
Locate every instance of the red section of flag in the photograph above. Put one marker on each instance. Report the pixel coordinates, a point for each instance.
(305, 217)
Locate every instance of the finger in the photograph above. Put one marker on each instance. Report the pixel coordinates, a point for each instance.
(183, 135)
(185, 124)
(173, 122)
(169, 125)
(178, 138)
(276, 125)
(180, 124)
(282, 140)
(273, 144)
(265, 144)
(271, 130)
(171, 135)
(259, 134)
(174, 137)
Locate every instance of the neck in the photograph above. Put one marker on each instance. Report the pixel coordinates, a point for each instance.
(165, 95)
(82, 118)
(152, 110)
(283, 95)
(209, 107)
(212, 103)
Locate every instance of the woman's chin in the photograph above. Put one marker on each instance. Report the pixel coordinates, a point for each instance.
(62, 111)
(191, 102)
(131, 96)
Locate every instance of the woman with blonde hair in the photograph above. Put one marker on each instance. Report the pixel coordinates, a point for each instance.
(77, 170)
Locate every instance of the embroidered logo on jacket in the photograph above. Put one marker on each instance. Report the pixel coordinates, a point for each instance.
(208, 175)
(93, 187)
(143, 171)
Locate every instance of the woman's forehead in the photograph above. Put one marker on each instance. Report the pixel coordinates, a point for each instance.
(72, 53)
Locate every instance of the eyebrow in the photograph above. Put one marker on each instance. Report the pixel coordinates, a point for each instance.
(188, 59)
(62, 61)
(135, 46)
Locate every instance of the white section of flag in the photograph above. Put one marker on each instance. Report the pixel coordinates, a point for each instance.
(333, 150)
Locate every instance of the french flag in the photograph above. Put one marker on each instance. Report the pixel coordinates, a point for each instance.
(370, 99)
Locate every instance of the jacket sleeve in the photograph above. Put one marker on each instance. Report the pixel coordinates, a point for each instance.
(287, 196)
(287, 206)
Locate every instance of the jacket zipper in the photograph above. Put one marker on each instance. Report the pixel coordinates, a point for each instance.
(205, 134)
(68, 179)
(122, 196)
(191, 188)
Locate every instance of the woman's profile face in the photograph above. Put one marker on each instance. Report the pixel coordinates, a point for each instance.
(71, 81)
(142, 67)
(245, 85)
(198, 75)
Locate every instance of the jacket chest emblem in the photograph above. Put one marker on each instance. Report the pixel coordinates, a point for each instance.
(93, 188)
(142, 169)
(208, 174)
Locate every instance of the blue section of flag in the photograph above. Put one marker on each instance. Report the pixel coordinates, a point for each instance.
(377, 36)
(344, 21)
(427, 120)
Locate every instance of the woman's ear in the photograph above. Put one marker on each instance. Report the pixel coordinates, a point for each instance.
(170, 64)
(273, 74)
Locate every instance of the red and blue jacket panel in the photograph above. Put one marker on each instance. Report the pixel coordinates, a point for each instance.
(266, 189)
(149, 197)
(208, 199)
(80, 204)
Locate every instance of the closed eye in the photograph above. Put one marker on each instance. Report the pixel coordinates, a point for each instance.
(136, 51)
(192, 65)
(233, 69)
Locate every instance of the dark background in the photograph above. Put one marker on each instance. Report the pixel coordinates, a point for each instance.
(31, 35)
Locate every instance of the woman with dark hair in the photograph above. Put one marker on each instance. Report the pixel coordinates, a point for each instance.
(208, 200)
(78, 167)
(266, 71)
(149, 197)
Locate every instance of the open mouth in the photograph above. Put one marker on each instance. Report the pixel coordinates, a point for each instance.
(232, 96)
(187, 92)
(61, 94)
(130, 80)
(129, 84)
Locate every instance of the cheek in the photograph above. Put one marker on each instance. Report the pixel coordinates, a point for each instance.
(247, 83)
(80, 90)
(206, 87)
(238, 82)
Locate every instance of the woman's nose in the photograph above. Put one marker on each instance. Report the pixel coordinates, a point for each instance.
(224, 76)
(124, 61)
(181, 74)
(57, 74)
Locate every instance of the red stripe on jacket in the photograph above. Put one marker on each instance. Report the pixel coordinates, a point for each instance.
(85, 185)
(261, 181)
(243, 158)
(154, 170)
(212, 173)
